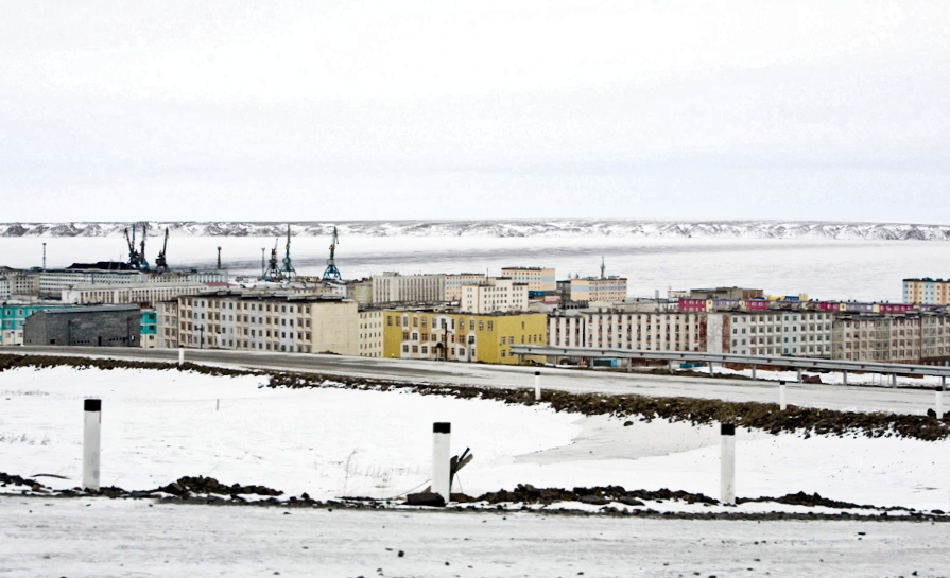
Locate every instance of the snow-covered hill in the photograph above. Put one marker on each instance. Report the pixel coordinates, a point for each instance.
(508, 228)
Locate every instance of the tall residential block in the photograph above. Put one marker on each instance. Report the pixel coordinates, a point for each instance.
(290, 323)
(537, 278)
(931, 291)
(396, 288)
(495, 295)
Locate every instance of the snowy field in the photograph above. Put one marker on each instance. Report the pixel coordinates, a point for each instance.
(821, 268)
(160, 425)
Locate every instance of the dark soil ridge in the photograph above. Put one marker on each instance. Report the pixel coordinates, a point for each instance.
(763, 416)
(203, 490)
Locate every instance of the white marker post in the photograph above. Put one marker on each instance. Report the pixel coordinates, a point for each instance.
(728, 462)
(893, 380)
(537, 386)
(441, 481)
(799, 375)
(753, 373)
(181, 356)
(92, 423)
(782, 400)
(844, 377)
(938, 402)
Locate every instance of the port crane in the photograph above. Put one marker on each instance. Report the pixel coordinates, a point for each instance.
(273, 269)
(287, 268)
(161, 263)
(332, 273)
(137, 256)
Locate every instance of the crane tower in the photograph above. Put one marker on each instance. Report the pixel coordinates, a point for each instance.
(332, 273)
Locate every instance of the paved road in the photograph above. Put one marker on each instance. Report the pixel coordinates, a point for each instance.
(907, 401)
(101, 537)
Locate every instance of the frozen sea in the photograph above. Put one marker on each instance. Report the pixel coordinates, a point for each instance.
(859, 269)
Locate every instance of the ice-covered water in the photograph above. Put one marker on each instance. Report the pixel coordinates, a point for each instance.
(821, 268)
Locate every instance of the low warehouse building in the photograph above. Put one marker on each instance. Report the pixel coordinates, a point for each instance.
(98, 326)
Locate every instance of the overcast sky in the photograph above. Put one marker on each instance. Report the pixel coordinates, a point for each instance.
(400, 110)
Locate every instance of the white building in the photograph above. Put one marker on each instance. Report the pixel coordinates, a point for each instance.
(495, 295)
(137, 293)
(394, 288)
(537, 278)
(371, 333)
(774, 332)
(5, 289)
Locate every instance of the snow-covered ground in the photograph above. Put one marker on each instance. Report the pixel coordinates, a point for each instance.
(101, 537)
(874, 268)
(160, 425)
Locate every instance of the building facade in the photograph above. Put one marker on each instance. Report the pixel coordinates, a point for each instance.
(148, 328)
(455, 282)
(143, 294)
(396, 288)
(911, 338)
(599, 289)
(926, 290)
(451, 336)
(371, 333)
(495, 295)
(778, 332)
(539, 279)
(301, 324)
(96, 326)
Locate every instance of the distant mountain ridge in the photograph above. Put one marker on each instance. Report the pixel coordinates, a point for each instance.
(505, 228)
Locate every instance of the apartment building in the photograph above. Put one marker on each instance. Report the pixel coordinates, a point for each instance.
(912, 338)
(451, 336)
(371, 333)
(495, 295)
(141, 293)
(538, 278)
(294, 323)
(771, 332)
(5, 289)
(455, 282)
(629, 330)
(395, 288)
(598, 289)
(926, 290)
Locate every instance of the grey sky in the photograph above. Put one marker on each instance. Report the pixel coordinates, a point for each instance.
(384, 110)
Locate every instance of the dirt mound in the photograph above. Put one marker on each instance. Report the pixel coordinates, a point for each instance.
(187, 485)
(598, 496)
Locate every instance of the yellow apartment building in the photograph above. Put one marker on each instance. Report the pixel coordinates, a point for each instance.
(451, 336)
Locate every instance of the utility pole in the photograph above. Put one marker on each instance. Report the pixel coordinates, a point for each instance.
(219, 257)
(262, 262)
(44, 256)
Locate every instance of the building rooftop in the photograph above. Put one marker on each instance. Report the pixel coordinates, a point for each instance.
(92, 309)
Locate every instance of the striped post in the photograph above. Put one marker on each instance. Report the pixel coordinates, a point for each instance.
(728, 464)
(441, 481)
(782, 400)
(537, 386)
(92, 423)
(181, 356)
